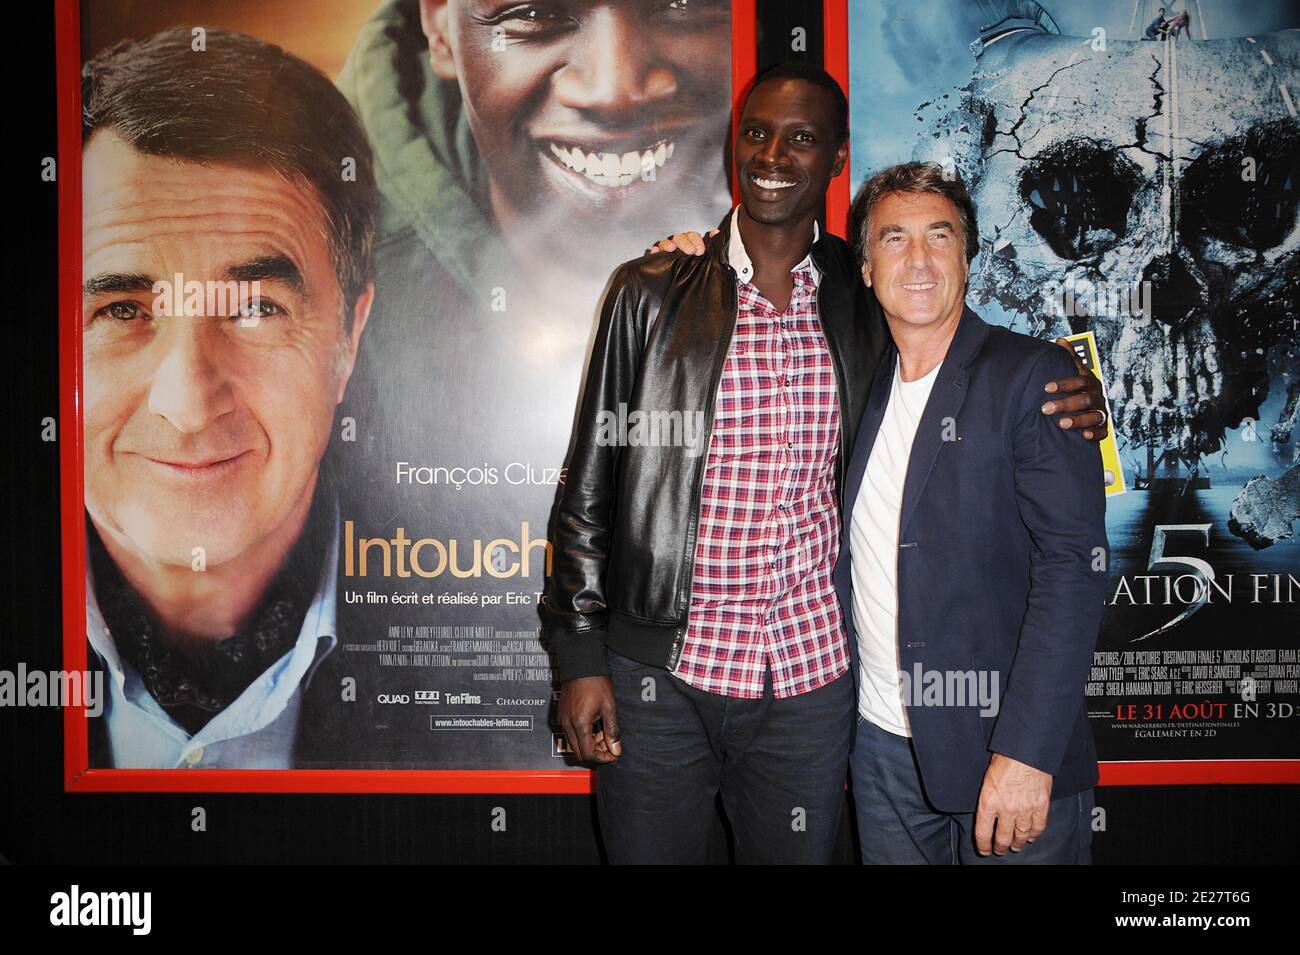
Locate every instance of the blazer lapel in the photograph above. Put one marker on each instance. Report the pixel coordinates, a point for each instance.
(946, 399)
(867, 429)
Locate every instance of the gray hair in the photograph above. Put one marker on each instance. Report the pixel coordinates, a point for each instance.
(913, 177)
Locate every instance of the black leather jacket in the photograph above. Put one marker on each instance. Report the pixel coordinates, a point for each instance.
(624, 532)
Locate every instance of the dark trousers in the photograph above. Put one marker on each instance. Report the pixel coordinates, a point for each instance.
(779, 766)
(898, 826)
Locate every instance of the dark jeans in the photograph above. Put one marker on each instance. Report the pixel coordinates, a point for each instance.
(898, 826)
(779, 766)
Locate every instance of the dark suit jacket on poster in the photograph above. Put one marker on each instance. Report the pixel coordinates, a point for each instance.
(995, 562)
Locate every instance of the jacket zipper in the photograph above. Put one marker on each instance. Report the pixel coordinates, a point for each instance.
(679, 638)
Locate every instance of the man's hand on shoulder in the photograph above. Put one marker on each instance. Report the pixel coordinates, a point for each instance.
(692, 243)
(584, 702)
(1081, 406)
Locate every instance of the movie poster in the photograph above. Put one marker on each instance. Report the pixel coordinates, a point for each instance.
(1137, 174)
(317, 488)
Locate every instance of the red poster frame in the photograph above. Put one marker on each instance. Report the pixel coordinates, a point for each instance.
(77, 774)
(835, 54)
(78, 777)
(835, 16)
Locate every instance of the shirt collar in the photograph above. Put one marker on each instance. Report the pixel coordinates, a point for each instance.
(739, 259)
(316, 639)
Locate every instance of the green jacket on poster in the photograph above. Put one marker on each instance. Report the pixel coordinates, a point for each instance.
(432, 183)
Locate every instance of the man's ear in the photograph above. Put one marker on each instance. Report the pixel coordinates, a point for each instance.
(433, 21)
(841, 157)
(360, 315)
(866, 274)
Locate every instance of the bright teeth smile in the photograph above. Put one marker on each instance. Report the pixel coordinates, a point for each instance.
(771, 183)
(919, 286)
(614, 169)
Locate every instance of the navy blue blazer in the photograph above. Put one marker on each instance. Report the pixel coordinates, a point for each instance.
(1002, 517)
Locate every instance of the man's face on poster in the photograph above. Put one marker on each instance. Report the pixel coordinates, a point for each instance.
(602, 107)
(205, 430)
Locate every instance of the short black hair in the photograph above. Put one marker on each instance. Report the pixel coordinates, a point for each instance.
(815, 75)
(246, 102)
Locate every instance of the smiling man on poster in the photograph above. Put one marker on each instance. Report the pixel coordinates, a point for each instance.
(497, 124)
(226, 271)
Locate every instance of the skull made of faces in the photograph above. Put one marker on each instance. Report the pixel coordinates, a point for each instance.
(1146, 191)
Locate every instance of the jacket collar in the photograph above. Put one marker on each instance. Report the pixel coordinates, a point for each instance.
(967, 342)
(947, 396)
(946, 399)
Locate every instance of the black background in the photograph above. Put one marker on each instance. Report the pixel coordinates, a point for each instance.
(39, 823)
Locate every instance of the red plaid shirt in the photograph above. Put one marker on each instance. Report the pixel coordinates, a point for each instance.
(762, 593)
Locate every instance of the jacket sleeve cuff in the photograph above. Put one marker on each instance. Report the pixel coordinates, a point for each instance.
(579, 654)
(1035, 743)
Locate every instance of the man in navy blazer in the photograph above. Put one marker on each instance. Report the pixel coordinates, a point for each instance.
(972, 570)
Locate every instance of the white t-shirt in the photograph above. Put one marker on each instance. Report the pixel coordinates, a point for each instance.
(873, 542)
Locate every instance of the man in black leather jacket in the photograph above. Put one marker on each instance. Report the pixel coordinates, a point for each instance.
(626, 529)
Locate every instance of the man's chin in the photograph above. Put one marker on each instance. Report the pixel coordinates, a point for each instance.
(769, 212)
(917, 319)
(186, 542)
(764, 212)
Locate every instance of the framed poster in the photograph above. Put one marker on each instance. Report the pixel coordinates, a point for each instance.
(1137, 172)
(329, 276)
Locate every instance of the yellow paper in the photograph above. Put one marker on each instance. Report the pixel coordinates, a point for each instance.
(1085, 346)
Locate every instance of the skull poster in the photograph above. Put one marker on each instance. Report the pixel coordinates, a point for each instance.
(1136, 169)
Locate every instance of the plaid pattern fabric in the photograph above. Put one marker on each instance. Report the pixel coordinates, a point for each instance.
(762, 593)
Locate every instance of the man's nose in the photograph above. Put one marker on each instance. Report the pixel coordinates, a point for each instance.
(918, 254)
(189, 387)
(612, 68)
(772, 153)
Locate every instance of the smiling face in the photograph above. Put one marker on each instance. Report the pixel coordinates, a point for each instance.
(592, 105)
(787, 151)
(205, 430)
(916, 259)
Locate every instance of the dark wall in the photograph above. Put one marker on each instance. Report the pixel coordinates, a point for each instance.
(40, 823)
